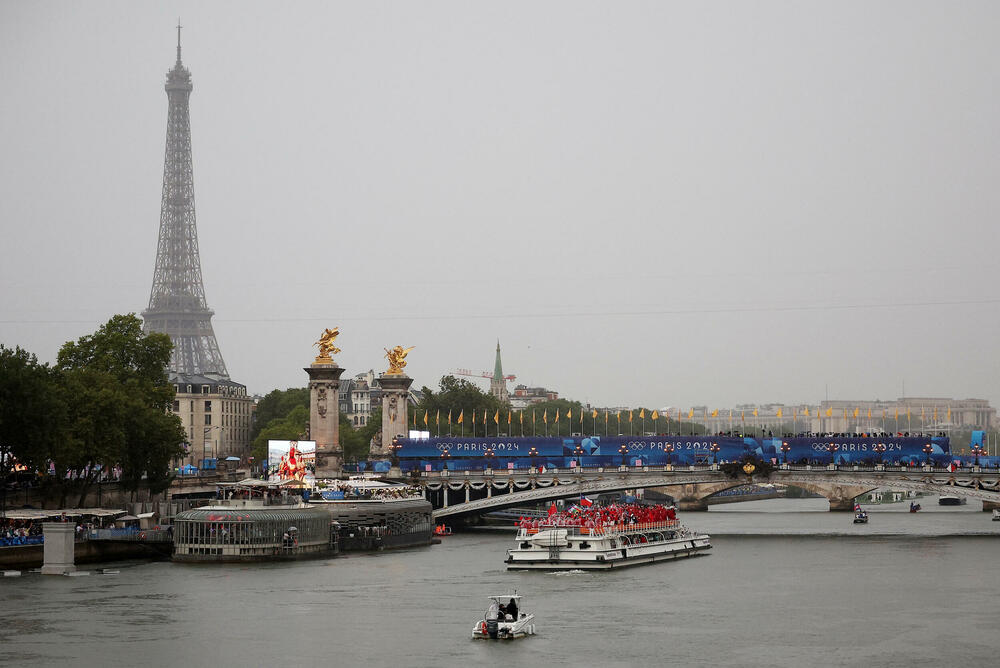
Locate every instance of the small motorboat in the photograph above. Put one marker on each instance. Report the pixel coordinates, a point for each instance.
(861, 517)
(442, 530)
(504, 620)
(914, 507)
(996, 514)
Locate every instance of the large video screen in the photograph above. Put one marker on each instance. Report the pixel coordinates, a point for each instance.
(291, 460)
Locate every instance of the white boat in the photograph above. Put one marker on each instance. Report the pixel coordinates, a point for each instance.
(861, 517)
(604, 547)
(504, 619)
(996, 514)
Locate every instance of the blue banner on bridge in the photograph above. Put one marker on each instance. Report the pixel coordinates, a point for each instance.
(524, 452)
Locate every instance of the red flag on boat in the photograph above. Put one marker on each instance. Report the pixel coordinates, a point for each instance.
(585, 502)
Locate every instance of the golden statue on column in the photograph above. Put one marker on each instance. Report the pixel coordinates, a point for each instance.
(326, 347)
(397, 359)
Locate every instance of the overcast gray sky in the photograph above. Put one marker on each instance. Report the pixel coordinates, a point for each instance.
(646, 202)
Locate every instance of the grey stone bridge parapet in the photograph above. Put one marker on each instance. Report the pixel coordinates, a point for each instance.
(504, 489)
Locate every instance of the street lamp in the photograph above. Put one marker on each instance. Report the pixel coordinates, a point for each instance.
(578, 453)
(832, 448)
(445, 456)
(669, 449)
(489, 455)
(977, 450)
(394, 448)
(880, 449)
(784, 450)
(714, 449)
(532, 454)
(928, 449)
(624, 453)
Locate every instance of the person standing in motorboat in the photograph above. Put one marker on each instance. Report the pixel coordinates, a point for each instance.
(512, 609)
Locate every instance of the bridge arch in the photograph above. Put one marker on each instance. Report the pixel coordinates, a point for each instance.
(472, 493)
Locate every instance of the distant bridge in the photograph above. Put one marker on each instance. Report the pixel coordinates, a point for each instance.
(456, 494)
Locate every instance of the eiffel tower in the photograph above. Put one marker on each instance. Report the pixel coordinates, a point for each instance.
(177, 304)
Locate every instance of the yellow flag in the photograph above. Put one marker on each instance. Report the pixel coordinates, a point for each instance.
(743, 416)
(605, 417)
(805, 411)
(715, 413)
(642, 413)
(508, 417)
(908, 413)
(545, 416)
(949, 413)
(595, 414)
(618, 416)
(855, 411)
(414, 417)
(779, 413)
(935, 412)
(690, 413)
(461, 416)
(921, 412)
(829, 412)
(896, 413)
(655, 415)
(425, 417)
(755, 412)
(437, 418)
(556, 421)
(569, 414)
(630, 416)
(520, 415)
(449, 416)
(485, 416)
(869, 413)
(496, 416)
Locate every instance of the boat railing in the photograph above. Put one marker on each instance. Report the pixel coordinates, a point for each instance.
(600, 530)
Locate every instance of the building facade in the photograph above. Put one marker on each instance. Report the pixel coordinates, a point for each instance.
(216, 415)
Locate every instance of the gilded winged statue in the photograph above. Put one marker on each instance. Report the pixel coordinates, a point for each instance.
(397, 359)
(325, 343)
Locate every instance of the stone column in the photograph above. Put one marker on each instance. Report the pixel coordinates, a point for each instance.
(324, 417)
(59, 554)
(395, 406)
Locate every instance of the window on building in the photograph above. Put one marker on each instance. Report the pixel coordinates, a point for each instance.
(177, 406)
(189, 389)
(208, 418)
(208, 406)
(205, 389)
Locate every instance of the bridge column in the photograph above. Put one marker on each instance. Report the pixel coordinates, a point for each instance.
(324, 417)
(489, 489)
(444, 492)
(466, 491)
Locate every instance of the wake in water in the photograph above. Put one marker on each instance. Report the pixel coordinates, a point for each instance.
(575, 571)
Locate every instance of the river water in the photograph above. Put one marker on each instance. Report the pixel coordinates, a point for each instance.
(786, 584)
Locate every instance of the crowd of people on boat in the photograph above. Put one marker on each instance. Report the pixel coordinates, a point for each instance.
(600, 516)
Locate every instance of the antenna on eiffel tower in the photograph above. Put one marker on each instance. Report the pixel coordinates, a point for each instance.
(177, 305)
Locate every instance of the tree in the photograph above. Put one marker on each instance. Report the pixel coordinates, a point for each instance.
(32, 415)
(119, 400)
(277, 405)
(457, 396)
(290, 427)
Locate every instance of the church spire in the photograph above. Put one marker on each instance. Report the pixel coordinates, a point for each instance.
(498, 384)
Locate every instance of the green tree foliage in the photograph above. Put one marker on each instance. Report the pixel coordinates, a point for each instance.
(357, 442)
(32, 414)
(118, 400)
(290, 427)
(457, 397)
(277, 405)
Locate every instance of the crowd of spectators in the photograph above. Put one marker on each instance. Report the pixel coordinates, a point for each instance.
(614, 514)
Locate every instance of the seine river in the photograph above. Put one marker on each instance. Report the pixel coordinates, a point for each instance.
(785, 585)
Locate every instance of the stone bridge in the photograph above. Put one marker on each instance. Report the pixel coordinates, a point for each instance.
(463, 493)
